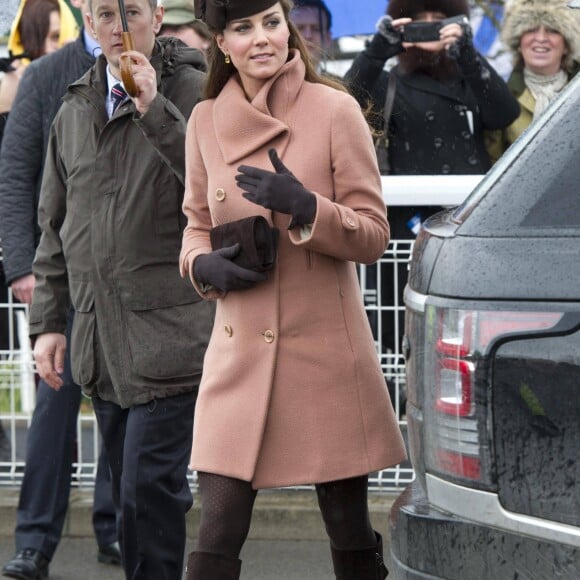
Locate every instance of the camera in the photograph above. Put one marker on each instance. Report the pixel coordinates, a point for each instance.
(422, 31)
(429, 31)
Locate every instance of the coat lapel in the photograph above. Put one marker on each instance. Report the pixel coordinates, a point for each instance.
(243, 127)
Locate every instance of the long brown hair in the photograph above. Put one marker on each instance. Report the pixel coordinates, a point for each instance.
(34, 25)
(219, 72)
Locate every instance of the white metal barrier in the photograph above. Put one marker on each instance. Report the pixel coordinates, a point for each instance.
(381, 285)
(17, 385)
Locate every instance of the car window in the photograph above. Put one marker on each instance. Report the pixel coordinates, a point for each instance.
(535, 188)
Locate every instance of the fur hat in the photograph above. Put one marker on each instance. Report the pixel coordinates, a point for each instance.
(410, 8)
(522, 16)
(217, 13)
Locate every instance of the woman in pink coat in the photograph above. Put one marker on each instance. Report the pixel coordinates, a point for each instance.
(292, 390)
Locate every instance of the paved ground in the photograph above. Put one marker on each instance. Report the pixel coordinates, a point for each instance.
(262, 560)
(287, 539)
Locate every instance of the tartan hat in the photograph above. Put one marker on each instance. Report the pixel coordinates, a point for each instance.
(217, 13)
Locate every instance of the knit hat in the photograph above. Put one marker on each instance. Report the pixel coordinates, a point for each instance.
(68, 28)
(410, 8)
(217, 13)
(178, 12)
(522, 16)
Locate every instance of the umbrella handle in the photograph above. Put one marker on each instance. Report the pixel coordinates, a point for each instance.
(125, 62)
(125, 66)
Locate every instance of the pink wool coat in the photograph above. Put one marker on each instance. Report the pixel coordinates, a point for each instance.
(292, 391)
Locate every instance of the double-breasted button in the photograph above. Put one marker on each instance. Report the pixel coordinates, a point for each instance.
(430, 116)
(472, 160)
(438, 142)
(220, 193)
(269, 336)
(229, 330)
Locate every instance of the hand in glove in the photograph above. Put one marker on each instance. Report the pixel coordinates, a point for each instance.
(458, 39)
(279, 191)
(388, 41)
(218, 270)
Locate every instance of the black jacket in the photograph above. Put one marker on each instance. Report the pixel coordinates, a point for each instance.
(24, 148)
(430, 131)
(435, 128)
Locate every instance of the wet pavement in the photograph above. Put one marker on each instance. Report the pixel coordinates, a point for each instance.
(76, 559)
(287, 538)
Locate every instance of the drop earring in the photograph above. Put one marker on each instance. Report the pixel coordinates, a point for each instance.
(227, 58)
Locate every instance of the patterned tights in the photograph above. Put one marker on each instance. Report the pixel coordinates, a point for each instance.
(226, 512)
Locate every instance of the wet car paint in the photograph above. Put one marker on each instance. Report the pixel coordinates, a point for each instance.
(503, 250)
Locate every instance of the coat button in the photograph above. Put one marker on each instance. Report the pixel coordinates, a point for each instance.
(473, 160)
(445, 169)
(438, 142)
(350, 222)
(229, 330)
(220, 194)
(429, 116)
(269, 336)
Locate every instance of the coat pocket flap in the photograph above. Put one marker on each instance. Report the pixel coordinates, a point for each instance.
(35, 313)
(158, 288)
(82, 296)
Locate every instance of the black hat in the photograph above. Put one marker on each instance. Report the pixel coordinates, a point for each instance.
(410, 8)
(217, 13)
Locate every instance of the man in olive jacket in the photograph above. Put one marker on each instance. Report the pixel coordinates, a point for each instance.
(52, 434)
(111, 222)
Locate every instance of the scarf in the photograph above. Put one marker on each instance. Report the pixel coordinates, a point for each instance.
(544, 88)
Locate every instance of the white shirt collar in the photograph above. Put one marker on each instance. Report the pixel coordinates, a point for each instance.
(111, 82)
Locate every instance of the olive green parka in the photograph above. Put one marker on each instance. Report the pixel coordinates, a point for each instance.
(111, 221)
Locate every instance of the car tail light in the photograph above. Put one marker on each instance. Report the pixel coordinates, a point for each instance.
(456, 384)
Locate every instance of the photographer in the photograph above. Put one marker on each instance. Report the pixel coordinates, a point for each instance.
(445, 95)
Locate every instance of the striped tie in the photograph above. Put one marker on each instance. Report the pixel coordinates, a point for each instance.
(118, 95)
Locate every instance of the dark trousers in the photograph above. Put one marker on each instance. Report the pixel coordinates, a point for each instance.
(149, 448)
(4, 313)
(50, 453)
(4, 345)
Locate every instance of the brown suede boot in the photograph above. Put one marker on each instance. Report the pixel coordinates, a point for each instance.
(206, 566)
(360, 564)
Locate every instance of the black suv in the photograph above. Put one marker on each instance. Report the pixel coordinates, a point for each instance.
(492, 349)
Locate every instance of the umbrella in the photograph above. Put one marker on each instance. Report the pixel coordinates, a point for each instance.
(124, 61)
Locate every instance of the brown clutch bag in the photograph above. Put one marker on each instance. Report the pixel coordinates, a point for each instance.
(258, 242)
